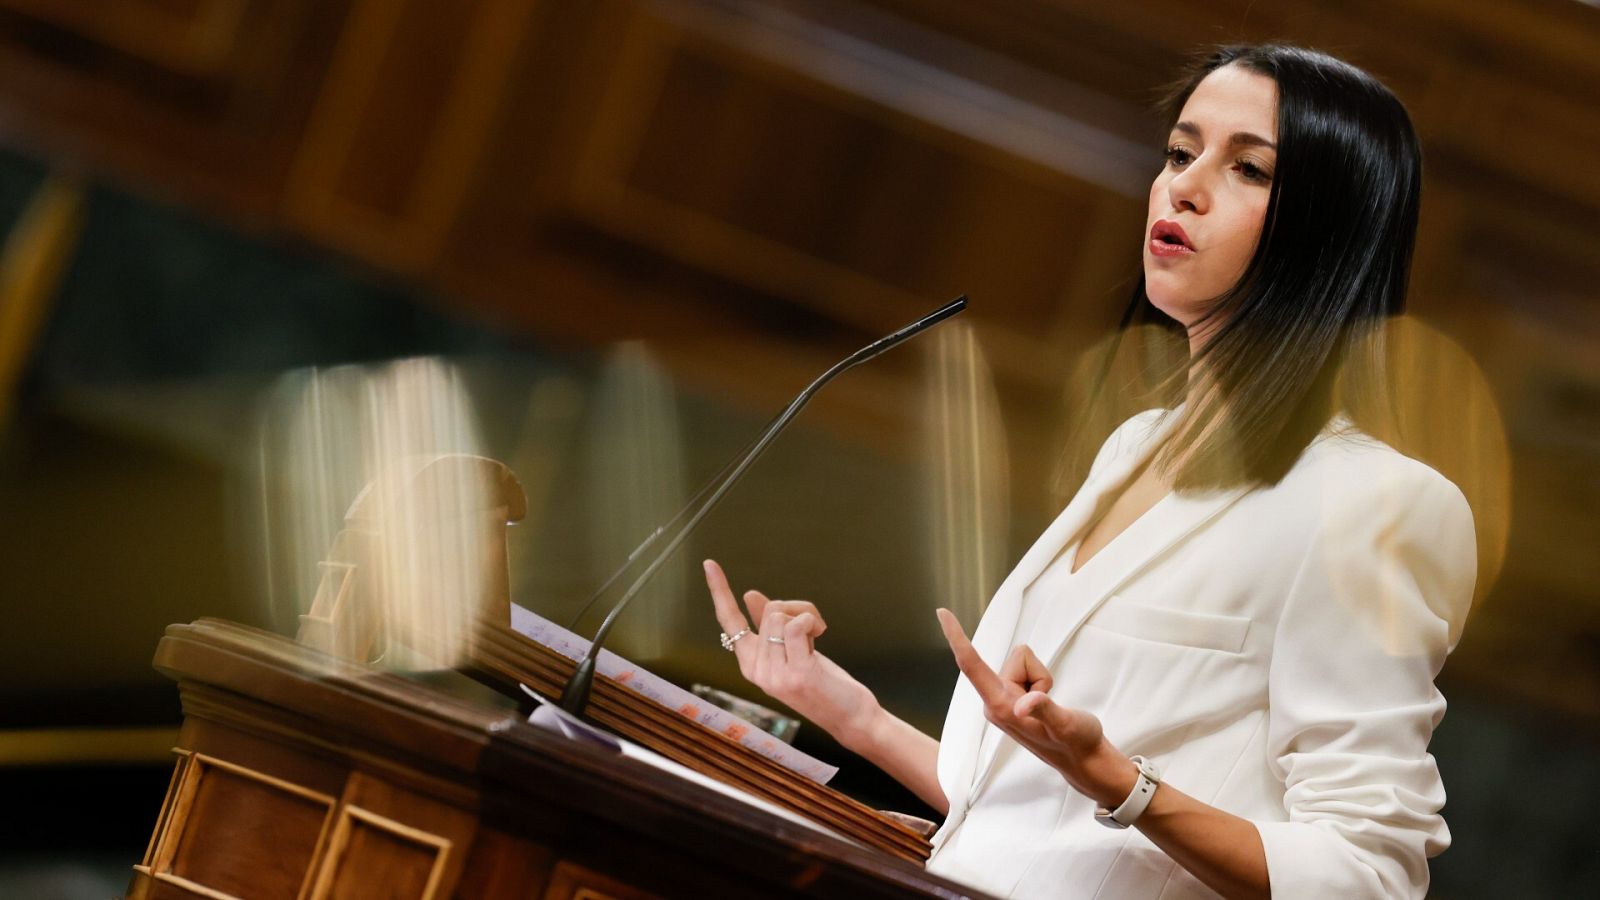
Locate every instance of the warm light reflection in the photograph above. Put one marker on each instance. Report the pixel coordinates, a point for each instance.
(636, 472)
(1120, 375)
(1438, 408)
(383, 528)
(33, 260)
(547, 565)
(965, 455)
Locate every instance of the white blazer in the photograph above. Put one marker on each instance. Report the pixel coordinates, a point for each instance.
(1272, 650)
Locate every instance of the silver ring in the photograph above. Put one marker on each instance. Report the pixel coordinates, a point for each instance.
(774, 640)
(728, 642)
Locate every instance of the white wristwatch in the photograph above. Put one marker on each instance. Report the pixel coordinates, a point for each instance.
(1134, 806)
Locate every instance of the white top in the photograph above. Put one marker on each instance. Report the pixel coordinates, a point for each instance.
(1053, 584)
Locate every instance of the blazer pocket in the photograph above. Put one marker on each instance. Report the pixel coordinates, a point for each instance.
(1171, 626)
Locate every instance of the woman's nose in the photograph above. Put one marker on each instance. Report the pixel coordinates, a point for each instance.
(1188, 190)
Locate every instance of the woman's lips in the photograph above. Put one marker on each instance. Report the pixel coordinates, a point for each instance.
(1167, 238)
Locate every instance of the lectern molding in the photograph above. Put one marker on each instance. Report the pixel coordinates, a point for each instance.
(328, 870)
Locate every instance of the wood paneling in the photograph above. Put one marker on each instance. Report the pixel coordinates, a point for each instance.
(574, 882)
(750, 149)
(383, 825)
(760, 186)
(401, 122)
(203, 99)
(195, 37)
(499, 865)
(412, 859)
(863, 160)
(275, 824)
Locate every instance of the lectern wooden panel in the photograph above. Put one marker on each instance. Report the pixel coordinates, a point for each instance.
(303, 776)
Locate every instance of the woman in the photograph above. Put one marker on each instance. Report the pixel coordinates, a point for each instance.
(1247, 594)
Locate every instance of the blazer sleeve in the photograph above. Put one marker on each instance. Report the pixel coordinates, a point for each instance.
(1376, 606)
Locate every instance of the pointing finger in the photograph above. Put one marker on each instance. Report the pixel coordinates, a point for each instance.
(728, 614)
(983, 678)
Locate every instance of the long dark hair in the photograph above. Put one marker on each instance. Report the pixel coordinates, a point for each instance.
(1331, 266)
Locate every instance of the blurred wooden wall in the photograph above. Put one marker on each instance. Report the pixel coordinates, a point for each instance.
(757, 186)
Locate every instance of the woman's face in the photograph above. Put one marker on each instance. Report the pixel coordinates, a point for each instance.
(1208, 203)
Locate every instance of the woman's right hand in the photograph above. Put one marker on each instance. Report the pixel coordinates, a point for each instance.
(791, 670)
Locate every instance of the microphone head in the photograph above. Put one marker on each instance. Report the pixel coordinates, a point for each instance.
(920, 325)
(947, 310)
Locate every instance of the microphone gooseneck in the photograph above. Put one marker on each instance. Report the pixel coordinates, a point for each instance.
(575, 697)
(651, 538)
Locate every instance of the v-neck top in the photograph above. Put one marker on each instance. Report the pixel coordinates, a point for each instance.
(1052, 586)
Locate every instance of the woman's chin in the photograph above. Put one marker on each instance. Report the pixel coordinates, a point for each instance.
(1183, 309)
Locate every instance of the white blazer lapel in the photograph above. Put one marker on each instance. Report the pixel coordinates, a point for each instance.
(965, 723)
(1163, 526)
(999, 624)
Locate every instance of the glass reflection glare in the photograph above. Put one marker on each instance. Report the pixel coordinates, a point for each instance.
(964, 455)
(383, 526)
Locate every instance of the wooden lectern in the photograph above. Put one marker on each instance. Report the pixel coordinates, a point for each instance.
(303, 773)
(300, 775)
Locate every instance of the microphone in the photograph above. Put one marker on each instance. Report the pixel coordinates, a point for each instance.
(575, 697)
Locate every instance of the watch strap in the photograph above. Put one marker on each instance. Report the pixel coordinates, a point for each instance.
(1133, 807)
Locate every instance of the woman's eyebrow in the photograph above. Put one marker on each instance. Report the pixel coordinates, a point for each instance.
(1245, 138)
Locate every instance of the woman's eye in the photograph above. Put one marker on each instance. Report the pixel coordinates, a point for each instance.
(1178, 156)
(1253, 172)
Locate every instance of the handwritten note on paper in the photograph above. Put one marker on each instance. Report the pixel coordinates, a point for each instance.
(537, 628)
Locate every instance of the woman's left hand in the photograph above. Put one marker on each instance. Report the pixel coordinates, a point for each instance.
(1017, 701)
